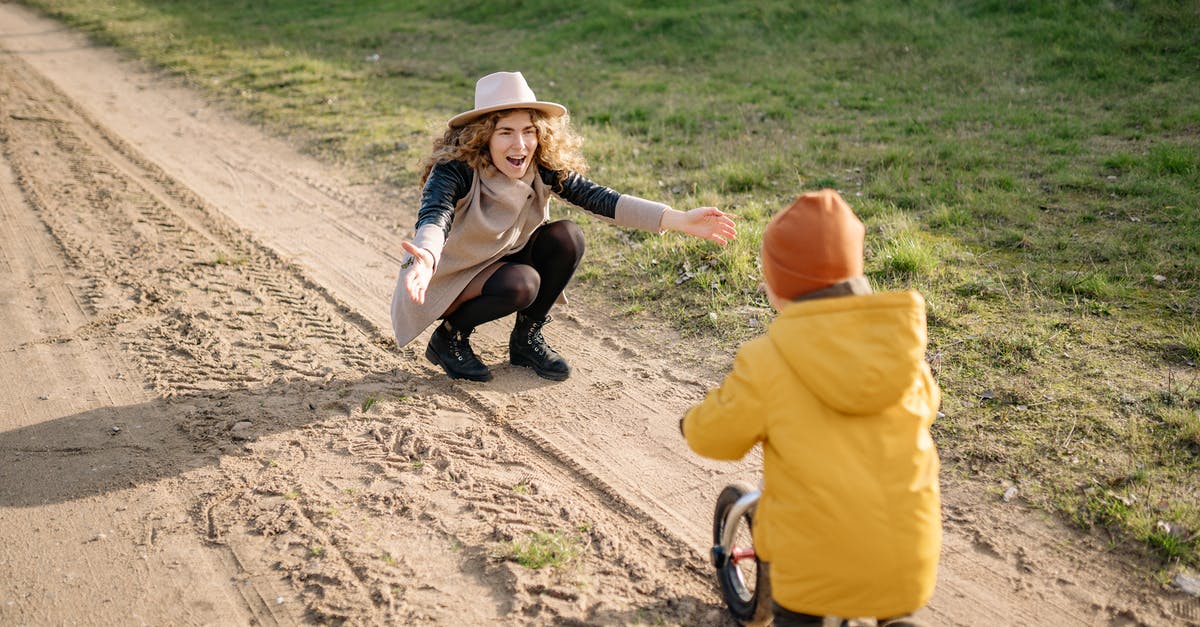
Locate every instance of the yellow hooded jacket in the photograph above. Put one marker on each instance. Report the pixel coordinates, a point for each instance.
(840, 396)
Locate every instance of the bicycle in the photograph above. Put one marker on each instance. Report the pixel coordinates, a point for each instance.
(745, 584)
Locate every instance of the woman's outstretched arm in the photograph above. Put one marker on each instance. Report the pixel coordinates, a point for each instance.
(709, 223)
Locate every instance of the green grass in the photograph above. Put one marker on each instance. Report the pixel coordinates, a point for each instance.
(1033, 168)
(545, 548)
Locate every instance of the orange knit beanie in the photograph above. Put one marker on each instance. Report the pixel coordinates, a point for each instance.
(816, 242)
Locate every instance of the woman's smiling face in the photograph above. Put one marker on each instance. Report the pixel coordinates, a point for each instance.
(513, 143)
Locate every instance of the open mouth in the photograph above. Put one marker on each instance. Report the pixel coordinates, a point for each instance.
(516, 162)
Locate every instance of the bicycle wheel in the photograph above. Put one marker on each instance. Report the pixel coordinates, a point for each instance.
(744, 582)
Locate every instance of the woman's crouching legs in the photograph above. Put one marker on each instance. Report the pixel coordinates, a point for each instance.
(528, 283)
(554, 252)
(511, 287)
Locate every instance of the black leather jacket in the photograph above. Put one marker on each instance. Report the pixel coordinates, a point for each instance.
(449, 182)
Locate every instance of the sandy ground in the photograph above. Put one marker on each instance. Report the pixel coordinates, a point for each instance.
(204, 420)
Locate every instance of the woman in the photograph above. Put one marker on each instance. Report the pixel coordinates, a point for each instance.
(484, 246)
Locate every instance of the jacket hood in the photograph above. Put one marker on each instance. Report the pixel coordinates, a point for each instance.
(857, 354)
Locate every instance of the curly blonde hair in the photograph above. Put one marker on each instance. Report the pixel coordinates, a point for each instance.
(558, 146)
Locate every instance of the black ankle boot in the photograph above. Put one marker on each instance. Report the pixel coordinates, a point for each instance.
(527, 347)
(451, 349)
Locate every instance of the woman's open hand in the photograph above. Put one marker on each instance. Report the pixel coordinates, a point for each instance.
(420, 270)
(709, 223)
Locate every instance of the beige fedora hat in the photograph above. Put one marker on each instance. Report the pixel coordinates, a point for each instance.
(504, 90)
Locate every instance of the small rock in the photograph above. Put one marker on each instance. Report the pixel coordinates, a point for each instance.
(44, 397)
(278, 600)
(240, 431)
(1010, 494)
(114, 430)
(1172, 529)
(987, 395)
(1158, 278)
(1188, 583)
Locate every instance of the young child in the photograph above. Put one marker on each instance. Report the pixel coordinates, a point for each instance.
(840, 396)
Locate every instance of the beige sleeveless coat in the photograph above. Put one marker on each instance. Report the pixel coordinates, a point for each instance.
(495, 218)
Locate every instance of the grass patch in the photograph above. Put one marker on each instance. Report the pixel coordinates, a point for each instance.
(1032, 168)
(1093, 285)
(545, 548)
(907, 258)
(1190, 339)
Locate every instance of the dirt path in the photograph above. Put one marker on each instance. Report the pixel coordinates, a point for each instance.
(205, 419)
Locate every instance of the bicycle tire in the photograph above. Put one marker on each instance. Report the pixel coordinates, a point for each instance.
(747, 594)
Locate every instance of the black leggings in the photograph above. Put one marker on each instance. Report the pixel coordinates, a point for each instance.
(530, 280)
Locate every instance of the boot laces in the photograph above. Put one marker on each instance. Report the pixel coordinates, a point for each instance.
(458, 344)
(535, 339)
